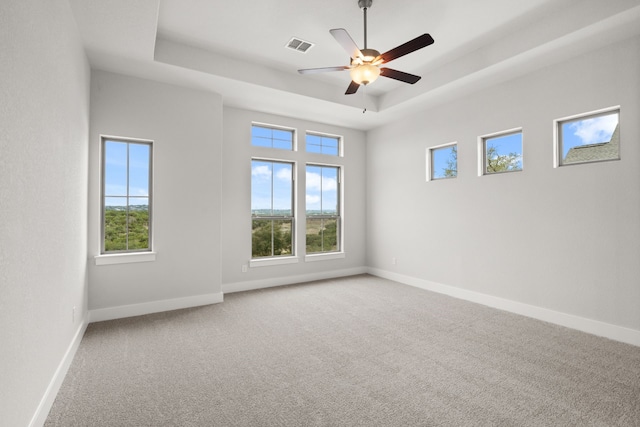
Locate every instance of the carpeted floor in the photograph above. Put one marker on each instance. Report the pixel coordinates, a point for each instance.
(358, 351)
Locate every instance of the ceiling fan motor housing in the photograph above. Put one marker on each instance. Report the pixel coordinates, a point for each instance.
(365, 3)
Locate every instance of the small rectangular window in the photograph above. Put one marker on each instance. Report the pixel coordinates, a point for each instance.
(442, 162)
(323, 209)
(272, 213)
(586, 138)
(323, 144)
(501, 152)
(126, 195)
(272, 137)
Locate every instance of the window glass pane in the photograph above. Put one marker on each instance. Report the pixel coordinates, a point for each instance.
(444, 162)
(261, 174)
(139, 156)
(329, 191)
(590, 139)
(503, 153)
(322, 144)
(115, 224)
(271, 238)
(269, 137)
(138, 223)
(282, 189)
(115, 168)
(314, 196)
(321, 235)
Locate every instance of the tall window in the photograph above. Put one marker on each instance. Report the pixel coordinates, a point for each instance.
(126, 195)
(272, 210)
(591, 137)
(272, 137)
(501, 152)
(323, 209)
(323, 144)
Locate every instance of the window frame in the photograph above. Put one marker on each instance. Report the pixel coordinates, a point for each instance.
(482, 151)
(339, 252)
(277, 259)
(128, 255)
(558, 160)
(339, 139)
(294, 136)
(430, 158)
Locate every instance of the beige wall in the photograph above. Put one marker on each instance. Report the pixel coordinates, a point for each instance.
(44, 116)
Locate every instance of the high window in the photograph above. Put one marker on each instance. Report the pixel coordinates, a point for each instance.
(322, 209)
(323, 144)
(272, 208)
(126, 195)
(590, 137)
(500, 152)
(272, 137)
(442, 161)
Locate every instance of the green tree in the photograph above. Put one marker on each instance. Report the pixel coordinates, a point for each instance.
(502, 163)
(452, 163)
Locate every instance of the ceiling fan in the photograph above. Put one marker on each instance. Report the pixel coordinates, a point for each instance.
(365, 63)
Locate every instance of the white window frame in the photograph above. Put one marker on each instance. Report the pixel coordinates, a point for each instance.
(429, 161)
(286, 259)
(128, 256)
(339, 253)
(557, 135)
(325, 135)
(482, 151)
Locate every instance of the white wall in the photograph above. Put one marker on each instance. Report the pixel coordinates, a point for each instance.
(186, 128)
(562, 239)
(236, 202)
(44, 115)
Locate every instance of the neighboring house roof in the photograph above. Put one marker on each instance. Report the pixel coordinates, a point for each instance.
(593, 152)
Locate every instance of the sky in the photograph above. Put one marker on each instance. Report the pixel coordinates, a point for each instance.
(271, 187)
(587, 131)
(116, 173)
(440, 158)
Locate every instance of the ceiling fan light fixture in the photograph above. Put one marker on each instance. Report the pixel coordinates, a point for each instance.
(365, 74)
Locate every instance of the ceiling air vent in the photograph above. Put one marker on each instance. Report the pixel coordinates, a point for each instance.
(299, 45)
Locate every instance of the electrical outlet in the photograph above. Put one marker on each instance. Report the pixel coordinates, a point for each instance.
(244, 268)
(73, 314)
(393, 260)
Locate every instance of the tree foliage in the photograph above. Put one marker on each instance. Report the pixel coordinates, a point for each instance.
(452, 163)
(502, 163)
(322, 235)
(270, 238)
(126, 230)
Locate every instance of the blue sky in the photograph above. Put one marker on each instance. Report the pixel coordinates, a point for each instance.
(506, 144)
(322, 189)
(271, 186)
(116, 173)
(440, 157)
(587, 131)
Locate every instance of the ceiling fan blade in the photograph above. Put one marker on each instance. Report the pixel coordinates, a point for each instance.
(406, 48)
(322, 70)
(399, 75)
(342, 36)
(353, 88)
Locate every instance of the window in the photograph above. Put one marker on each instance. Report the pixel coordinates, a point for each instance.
(591, 137)
(323, 144)
(442, 161)
(126, 195)
(272, 213)
(272, 137)
(500, 152)
(323, 209)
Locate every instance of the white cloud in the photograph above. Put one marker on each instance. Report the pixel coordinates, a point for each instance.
(598, 129)
(284, 174)
(314, 180)
(312, 199)
(261, 171)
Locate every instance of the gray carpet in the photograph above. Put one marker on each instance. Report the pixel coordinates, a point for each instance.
(358, 351)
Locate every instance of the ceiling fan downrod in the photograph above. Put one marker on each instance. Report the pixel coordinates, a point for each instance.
(364, 5)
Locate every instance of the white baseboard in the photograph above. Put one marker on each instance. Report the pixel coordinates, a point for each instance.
(595, 327)
(49, 397)
(281, 281)
(110, 313)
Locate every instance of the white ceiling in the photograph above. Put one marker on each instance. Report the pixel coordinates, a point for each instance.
(237, 48)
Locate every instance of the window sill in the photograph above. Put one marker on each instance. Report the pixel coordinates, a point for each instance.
(125, 258)
(264, 262)
(324, 257)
